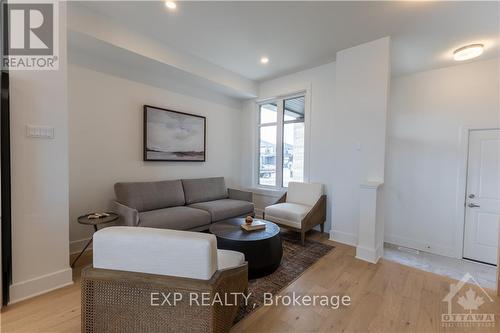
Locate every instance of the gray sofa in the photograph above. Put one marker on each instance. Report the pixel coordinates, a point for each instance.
(186, 204)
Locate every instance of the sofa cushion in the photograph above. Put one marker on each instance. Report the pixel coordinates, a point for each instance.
(154, 251)
(287, 213)
(145, 196)
(204, 189)
(229, 259)
(304, 193)
(177, 218)
(225, 208)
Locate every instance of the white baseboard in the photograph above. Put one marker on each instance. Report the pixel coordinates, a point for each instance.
(40, 285)
(370, 255)
(420, 245)
(77, 246)
(343, 237)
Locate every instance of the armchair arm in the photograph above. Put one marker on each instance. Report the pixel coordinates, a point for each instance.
(130, 215)
(282, 199)
(240, 195)
(316, 215)
(228, 282)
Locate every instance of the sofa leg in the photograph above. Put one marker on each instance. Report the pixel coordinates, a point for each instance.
(263, 215)
(322, 227)
(302, 237)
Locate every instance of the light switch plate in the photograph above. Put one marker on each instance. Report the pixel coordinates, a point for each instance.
(40, 132)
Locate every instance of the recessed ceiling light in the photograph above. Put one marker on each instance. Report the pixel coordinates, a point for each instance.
(264, 60)
(170, 4)
(468, 52)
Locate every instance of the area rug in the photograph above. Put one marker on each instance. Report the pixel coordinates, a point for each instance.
(296, 259)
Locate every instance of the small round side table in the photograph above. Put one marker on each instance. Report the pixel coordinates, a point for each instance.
(84, 219)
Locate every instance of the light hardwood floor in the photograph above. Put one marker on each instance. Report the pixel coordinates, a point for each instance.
(386, 297)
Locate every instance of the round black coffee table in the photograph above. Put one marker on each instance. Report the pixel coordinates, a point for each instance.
(262, 248)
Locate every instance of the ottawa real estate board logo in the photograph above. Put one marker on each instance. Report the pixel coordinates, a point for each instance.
(465, 305)
(30, 39)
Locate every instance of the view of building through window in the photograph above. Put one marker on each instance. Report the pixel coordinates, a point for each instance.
(268, 139)
(284, 132)
(293, 140)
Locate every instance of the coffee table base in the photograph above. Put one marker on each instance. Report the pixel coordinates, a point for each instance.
(263, 256)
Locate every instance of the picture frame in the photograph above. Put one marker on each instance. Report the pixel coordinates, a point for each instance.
(173, 136)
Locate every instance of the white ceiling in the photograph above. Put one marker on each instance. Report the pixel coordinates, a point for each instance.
(298, 35)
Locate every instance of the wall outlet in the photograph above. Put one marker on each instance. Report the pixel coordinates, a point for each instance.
(40, 132)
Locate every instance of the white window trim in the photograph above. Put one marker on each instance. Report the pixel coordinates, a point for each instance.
(306, 92)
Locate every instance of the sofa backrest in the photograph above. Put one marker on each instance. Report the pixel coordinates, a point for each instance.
(145, 196)
(156, 251)
(304, 193)
(204, 189)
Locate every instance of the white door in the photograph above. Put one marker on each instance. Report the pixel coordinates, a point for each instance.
(482, 202)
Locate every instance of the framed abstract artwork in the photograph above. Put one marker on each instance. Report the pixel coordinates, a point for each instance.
(173, 136)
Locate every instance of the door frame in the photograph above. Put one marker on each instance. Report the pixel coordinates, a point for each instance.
(5, 205)
(464, 136)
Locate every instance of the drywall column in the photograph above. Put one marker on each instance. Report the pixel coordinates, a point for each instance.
(40, 228)
(359, 131)
(370, 230)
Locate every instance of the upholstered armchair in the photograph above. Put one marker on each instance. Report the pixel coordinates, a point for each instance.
(300, 209)
(154, 280)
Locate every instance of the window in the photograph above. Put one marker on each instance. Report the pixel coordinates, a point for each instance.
(293, 140)
(281, 141)
(268, 139)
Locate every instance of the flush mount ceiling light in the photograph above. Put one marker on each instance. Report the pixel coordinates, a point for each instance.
(170, 4)
(468, 52)
(264, 60)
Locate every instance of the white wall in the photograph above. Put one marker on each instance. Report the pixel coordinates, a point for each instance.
(40, 178)
(358, 126)
(423, 184)
(321, 81)
(105, 122)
